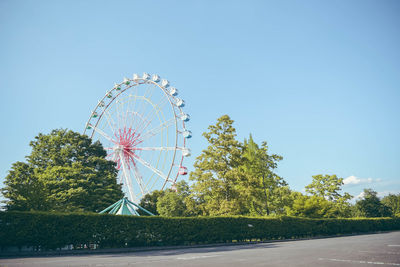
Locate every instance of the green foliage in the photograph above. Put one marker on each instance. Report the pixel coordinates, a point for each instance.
(265, 192)
(52, 230)
(327, 186)
(393, 203)
(149, 202)
(217, 172)
(312, 207)
(177, 203)
(233, 178)
(371, 206)
(171, 204)
(64, 172)
(343, 206)
(24, 189)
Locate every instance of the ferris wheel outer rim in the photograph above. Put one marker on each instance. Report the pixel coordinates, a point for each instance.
(145, 81)
(136, 82)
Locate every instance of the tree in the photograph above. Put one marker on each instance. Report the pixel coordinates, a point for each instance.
(392, 201)
(371, 206)
(171, 205)
(264, 190)
(311, 207)
(217, 172)
(149, 202)
(173, 202)
(64, 172)
(23, 189)
(327, 186)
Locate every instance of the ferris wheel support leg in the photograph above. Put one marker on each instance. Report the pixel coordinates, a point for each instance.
(139, 179)
(127, 177)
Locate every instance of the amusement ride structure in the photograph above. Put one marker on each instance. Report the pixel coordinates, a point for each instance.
(141, 125)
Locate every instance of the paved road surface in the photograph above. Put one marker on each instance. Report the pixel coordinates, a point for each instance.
(365, 250)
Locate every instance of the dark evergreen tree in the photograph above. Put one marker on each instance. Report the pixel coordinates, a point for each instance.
(149, 202)
(371, 206)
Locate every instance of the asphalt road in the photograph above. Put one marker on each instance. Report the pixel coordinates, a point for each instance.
(364, 250)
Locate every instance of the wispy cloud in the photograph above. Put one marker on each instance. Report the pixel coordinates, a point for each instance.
(359, 196)
(387, 192)
(353, 180)
(380, 194)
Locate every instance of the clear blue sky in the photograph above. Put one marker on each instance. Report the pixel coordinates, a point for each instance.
(318, 80)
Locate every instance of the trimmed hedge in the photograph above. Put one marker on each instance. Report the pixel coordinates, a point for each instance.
(52, 231)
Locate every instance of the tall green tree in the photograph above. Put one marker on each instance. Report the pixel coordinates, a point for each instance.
(217, 172)
(64, 172)
(265, 192)
(371, 206)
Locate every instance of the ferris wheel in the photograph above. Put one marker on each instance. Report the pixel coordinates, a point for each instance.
(141, 124)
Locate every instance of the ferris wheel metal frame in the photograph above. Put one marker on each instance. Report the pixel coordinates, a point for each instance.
(127, 139)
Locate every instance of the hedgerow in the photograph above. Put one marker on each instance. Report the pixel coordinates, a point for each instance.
(56, 230)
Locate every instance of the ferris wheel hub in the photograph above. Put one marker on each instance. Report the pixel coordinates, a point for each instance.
(118, 148)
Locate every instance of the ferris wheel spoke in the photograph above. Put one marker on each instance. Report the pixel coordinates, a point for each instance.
(159, 148)
(130, 110)
(110, 120)
(157, 129)
(127, 114)
(142, 105)
(149, 118)
(136, 117)
(148, 165)
(119, 110)
(128, 118)
(106, 136)
(139, 180)
(134, 105)
(147, 99)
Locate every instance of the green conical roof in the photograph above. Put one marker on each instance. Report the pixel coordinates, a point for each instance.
(124, 207)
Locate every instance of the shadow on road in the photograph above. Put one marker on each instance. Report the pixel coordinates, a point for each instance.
(182, 251)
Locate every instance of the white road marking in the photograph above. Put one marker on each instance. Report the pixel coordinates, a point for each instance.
(361, 262)
(393, 245)
(197, 257)
(387, 252)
